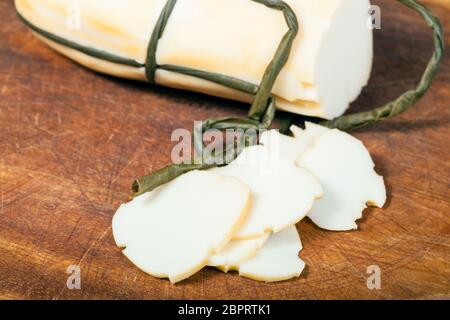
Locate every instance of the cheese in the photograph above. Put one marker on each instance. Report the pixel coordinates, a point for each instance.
(173, 231)
(344, 168)
(237, 251)
(282, 193)
(278, 260)
(346, 171)
(286, 145)
(329, 64)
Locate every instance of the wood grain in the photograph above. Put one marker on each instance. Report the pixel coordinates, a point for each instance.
(71, 141)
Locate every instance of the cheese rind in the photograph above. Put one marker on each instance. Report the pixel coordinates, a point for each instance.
(171, 232)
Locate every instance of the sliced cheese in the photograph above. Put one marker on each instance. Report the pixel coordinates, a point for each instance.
(278, 260)
(172, 231)
(346, 171)
(283, 144)
(330, 61)
(282, 193)
(237, 251)
(344, 168)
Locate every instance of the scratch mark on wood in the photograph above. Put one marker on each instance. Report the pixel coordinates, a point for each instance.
(84, 255)
(2, 178)
(36, 120)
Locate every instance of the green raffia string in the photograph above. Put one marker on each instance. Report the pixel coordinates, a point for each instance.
(262, 92)
(99, 54)
(262, 111)
(345, 123)
(150, 63)
(409, 98)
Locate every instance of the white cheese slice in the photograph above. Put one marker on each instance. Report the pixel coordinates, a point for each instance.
(342, 165)
(278, 260)
(172, 231)
(219, 36)
(345, 169)
(237, 251)
(282, 193)
(283, 144)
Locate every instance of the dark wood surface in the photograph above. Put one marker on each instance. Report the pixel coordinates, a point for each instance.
(71, 141)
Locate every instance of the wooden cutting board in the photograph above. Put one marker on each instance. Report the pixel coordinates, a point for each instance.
(71, 142)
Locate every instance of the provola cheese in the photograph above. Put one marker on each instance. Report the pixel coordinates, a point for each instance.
(282, 193)
(329, 64)
(173, 231)
(344, 168)
(278, 260)
(237, 251)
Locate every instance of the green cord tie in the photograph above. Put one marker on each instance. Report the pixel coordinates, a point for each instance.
(150, 64)
(260, 106)
(262, 111)
(262, 92)
(409, 98)
(345, 123)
